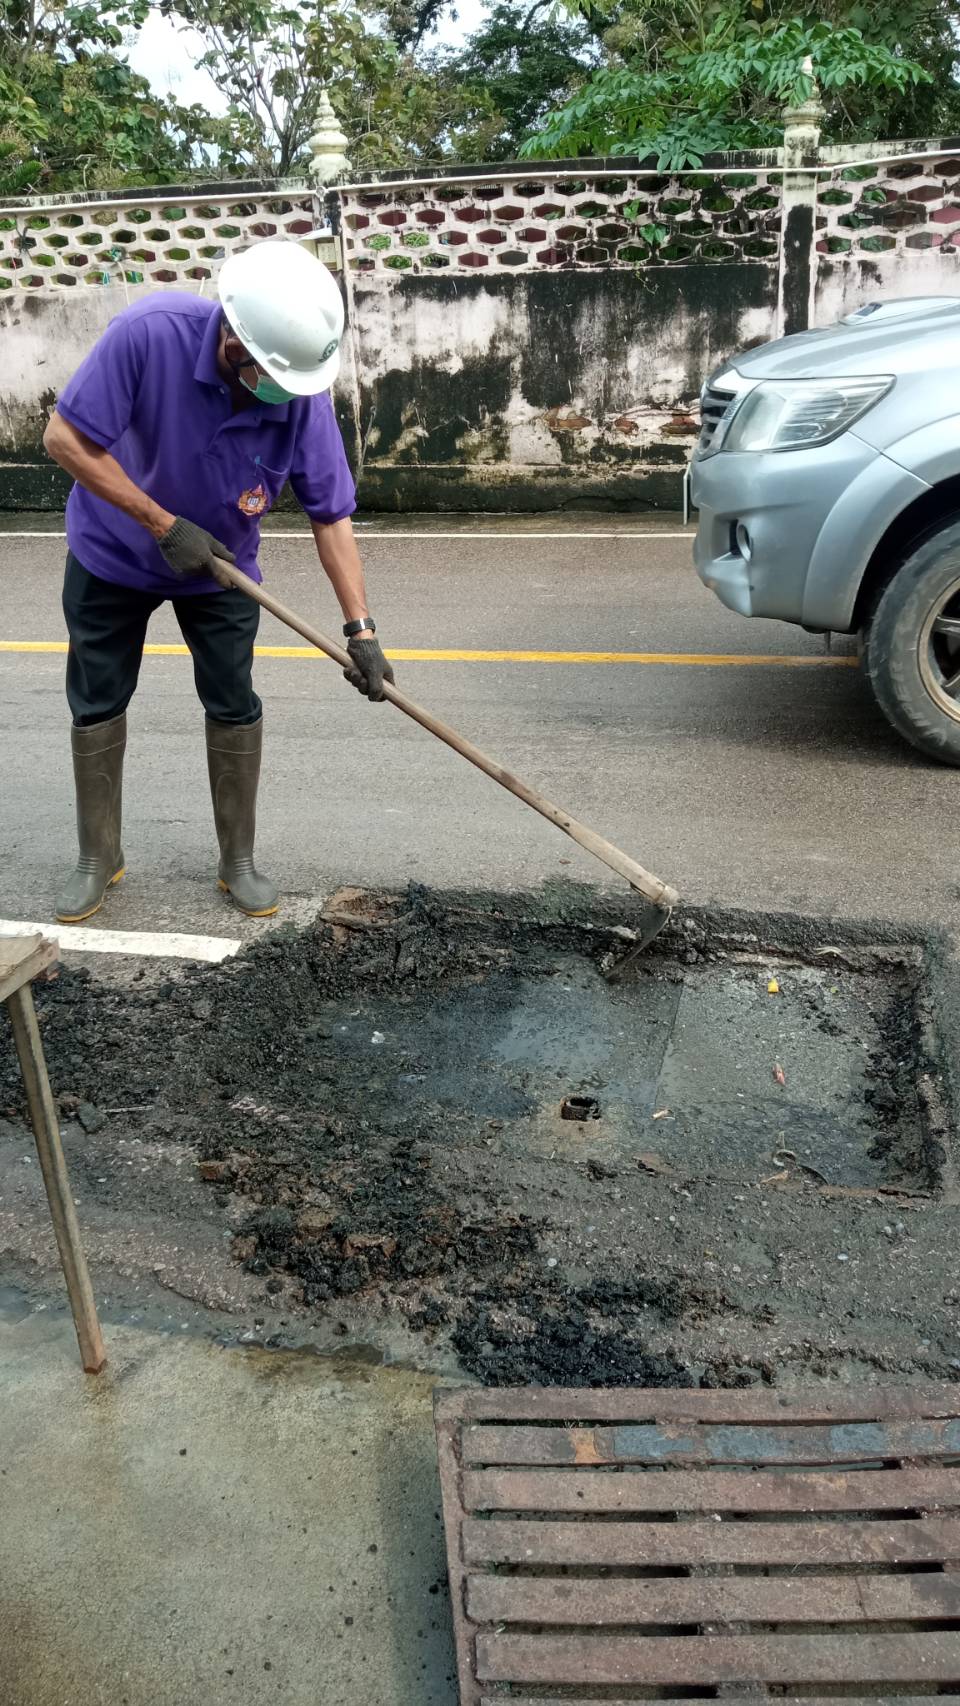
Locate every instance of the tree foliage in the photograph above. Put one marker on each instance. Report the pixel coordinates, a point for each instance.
(671, 77)
(273, 58)
(521, 57)
(684, 77)
(474, 102)
(410, 113)
(410, 21)
(73, 114)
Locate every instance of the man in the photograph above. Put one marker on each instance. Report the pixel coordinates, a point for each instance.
(180, 429)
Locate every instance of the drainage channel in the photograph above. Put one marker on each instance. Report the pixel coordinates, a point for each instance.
(619, 1546)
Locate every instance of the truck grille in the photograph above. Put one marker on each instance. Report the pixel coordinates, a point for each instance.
(714, 404)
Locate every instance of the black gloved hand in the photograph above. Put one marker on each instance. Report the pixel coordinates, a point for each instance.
(190, 550)
(370, 670)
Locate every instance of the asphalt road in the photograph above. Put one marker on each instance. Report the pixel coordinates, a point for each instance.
(771, 784)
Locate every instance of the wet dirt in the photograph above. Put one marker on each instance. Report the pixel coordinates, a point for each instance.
(369, 1124)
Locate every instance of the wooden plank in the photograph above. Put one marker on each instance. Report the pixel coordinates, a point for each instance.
(668, 1404)
(15, 949)
(736, 1599)
(22, 958)
(651, 1544)
(728, 1700)
(453, 1516)
(649, 1442)
(709, 1490)
(63, 1213)
(600, 1660)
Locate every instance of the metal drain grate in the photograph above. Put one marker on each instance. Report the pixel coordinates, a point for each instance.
(665, 1544)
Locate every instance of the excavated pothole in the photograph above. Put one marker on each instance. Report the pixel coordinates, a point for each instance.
(421, 1100)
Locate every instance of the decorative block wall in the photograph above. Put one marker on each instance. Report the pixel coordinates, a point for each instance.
(58, 246)
(701, 218)
(698, 218)
(904, 206)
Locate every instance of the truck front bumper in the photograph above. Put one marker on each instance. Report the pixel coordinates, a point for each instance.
(760, 517)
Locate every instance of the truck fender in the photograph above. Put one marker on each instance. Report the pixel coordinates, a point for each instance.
(851, 533)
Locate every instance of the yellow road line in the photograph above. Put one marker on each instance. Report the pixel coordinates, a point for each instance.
(683, 658)
(422, 655)
(416, 654)
(34, 646)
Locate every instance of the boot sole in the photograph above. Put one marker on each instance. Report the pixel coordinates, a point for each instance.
(78, 917)
(264, 912)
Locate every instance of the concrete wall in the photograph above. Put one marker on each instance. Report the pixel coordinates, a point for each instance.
(539, 389)
(845, 282)
(513, 344)
(44, 338)
(504, 392)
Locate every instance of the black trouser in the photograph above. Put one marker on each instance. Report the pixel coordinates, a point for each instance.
(107, 625)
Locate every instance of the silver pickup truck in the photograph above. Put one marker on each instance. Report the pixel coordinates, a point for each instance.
(827, 477)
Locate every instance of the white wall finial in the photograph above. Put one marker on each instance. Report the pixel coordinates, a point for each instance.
(802, 122)
(328, 160)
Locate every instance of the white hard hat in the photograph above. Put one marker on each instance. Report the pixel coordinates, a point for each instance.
(286, 307)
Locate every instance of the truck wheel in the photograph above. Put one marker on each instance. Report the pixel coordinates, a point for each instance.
(911, 646)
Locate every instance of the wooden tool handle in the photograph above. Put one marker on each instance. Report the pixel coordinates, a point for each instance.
(24, 959)
(647, 884)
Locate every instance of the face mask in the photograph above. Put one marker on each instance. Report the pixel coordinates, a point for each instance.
(266, 390)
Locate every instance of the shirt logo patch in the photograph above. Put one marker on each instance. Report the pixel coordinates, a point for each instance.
(253, 501)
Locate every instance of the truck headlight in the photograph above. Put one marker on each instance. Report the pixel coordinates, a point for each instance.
(795, 414)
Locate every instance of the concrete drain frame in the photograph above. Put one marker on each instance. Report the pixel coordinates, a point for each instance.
(773, 1051)
(610, 1546)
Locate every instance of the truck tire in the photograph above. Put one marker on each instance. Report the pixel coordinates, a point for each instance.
(911, 646)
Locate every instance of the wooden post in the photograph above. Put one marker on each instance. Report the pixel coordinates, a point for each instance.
(43, 1117)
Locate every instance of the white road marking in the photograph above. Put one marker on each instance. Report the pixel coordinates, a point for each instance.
(150, 944)
(496, 533)
(395, 533)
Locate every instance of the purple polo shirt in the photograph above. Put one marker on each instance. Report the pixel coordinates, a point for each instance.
(150, 393)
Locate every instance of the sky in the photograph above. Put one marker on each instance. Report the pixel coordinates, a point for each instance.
(167, 56)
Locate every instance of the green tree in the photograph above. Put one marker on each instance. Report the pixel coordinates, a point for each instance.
(272, 59)
(73, 114)
(411, 110)
(472, 103)
(409, 21)
(523, 59)
(682, 77)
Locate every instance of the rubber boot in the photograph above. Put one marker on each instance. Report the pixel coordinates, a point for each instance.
(98, 779)
(233, 759)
